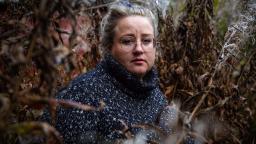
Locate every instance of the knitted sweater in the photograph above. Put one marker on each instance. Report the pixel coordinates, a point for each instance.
(128, 100)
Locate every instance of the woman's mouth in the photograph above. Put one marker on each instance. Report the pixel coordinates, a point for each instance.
(138, 61)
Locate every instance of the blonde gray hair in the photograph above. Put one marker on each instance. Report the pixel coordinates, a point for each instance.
(118, 11)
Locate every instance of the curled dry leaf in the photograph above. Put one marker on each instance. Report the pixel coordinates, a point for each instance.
(204, 80)
(169, 90)
(179, 70)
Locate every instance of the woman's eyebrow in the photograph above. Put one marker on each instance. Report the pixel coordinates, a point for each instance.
(146, 35)
(128, 34)
(133, 35)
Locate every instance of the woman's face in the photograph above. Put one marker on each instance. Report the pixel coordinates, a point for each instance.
(133, 44)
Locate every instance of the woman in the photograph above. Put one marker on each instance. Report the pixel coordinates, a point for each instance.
(125, 80)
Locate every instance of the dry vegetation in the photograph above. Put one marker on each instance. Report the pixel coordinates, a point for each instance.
(209, 78)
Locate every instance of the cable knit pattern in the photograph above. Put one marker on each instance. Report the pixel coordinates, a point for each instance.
(128, 99)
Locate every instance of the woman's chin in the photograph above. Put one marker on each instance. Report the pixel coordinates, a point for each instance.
(139, 72)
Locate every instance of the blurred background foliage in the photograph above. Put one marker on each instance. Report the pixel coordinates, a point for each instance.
(206, 62)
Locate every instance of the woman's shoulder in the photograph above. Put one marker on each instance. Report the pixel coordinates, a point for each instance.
(159, 97)
(96, 74)
(84, 85)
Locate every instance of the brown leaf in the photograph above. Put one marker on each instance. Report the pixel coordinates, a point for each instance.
(169, 90)
(179, 70)
(189, 93)
(204, 80)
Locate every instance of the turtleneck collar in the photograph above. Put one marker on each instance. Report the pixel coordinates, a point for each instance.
(129, 82)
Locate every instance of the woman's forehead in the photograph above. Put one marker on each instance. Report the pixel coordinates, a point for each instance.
(133, 25)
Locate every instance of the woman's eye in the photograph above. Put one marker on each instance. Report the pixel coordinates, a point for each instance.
(147, 41)
(127, 41)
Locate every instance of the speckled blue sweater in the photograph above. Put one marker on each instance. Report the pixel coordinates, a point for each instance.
(127, 98)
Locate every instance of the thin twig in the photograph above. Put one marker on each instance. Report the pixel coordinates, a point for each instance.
(197, 107)
(183, 134)
(219, 104)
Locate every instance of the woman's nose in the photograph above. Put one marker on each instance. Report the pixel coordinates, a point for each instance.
(138, 49)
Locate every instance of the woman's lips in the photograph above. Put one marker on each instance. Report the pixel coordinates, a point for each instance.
(138, 61)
